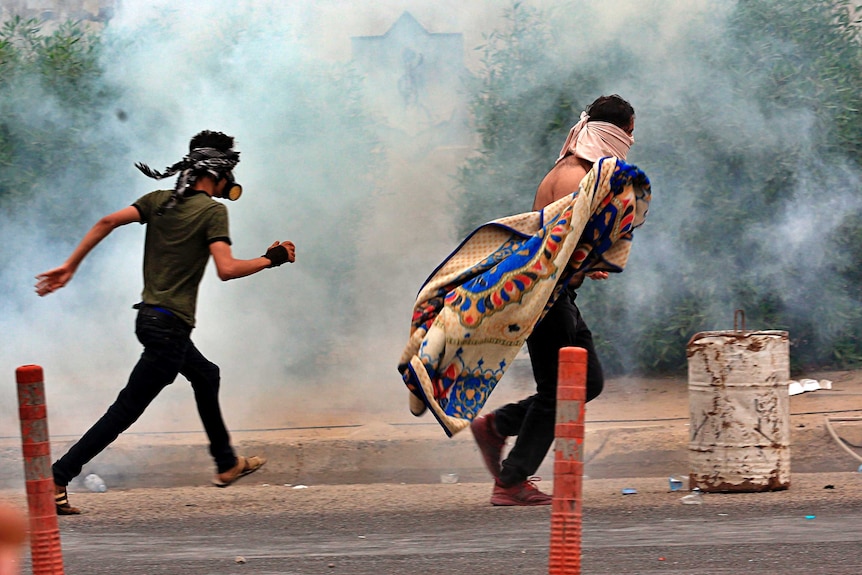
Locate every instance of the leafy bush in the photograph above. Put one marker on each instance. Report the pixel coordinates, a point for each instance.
(51, 93)
(522, 114)
(754, 156)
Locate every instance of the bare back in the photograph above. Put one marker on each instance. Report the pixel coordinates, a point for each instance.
(563, 179)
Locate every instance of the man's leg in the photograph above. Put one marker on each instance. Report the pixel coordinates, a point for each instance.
(534, 418)
(491, 430)
(559, 328)
(595, 373)
(205, 378)
(531, 419)
(164, 349)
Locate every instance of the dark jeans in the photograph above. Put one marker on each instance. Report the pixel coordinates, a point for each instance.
(533, 419)
(168, 351)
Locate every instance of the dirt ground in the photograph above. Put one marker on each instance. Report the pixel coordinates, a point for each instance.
(384, 463)
(638, 427)
(251, 497)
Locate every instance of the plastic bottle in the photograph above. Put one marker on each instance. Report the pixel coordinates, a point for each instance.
(693, 498)
(95, 483)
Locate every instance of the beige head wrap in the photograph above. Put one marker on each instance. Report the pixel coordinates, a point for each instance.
(594, 140)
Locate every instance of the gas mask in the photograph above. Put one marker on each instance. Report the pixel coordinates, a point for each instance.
(232, 190)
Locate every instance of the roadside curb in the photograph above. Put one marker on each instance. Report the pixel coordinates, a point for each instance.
(362, 456)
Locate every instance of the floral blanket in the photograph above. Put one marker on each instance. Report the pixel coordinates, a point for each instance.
(478, 307)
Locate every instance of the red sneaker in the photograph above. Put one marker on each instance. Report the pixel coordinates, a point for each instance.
(490, 442)
(524, 493)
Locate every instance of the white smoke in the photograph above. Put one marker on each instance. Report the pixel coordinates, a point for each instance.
(287, 349)
(262, 71)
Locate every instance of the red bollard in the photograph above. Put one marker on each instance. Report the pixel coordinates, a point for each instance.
(47, 557)
(565, 552)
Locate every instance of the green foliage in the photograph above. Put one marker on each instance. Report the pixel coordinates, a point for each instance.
(806, 56)
(522, 113)
(50, 96)
(807, 52)
(736, 189)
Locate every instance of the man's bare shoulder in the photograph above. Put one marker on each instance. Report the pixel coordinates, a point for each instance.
(563, 179)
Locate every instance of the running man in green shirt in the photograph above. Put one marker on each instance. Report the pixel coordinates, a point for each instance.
(185, 226)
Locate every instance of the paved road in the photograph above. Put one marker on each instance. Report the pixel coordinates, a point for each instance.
(450, 529)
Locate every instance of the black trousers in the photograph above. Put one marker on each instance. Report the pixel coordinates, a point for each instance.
(168, 351)
(533, 419)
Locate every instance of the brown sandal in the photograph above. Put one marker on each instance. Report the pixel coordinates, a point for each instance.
(61, 500)
(244, 466)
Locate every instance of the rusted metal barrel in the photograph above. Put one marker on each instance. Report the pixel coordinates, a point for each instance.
(740, 411)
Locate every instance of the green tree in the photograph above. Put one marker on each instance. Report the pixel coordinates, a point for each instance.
(51, 94)
(799, 59)
(806, 54)
(738, 183)
(521, 111)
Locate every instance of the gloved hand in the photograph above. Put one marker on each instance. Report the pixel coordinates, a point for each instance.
(280, 253)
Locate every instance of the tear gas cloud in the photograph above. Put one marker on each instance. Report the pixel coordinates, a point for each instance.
(324, 335)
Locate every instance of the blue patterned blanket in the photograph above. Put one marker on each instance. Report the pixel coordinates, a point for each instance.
(475, 311)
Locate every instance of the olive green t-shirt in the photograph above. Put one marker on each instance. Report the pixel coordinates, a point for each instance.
(176, 249)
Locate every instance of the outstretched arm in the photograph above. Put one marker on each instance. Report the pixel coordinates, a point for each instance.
(228, 267)
(54, 279)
